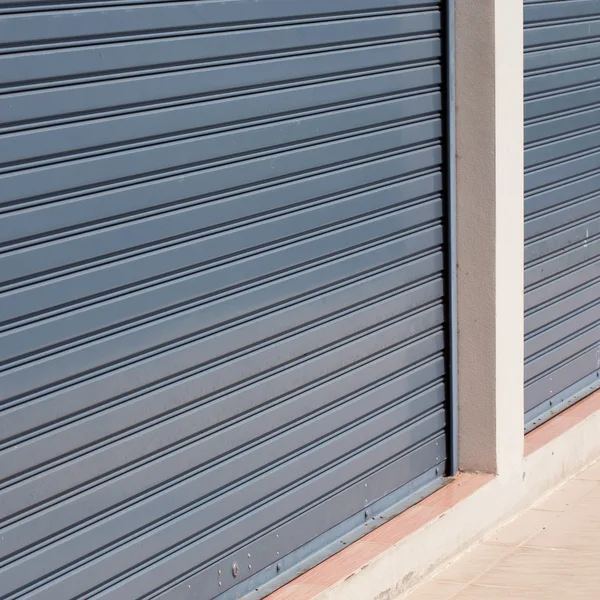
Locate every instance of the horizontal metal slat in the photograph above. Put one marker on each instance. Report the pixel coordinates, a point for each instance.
(541, 11)
(561, 216)
(564, 352)
(146, 91)
(174, 329)
(170, 161)
(230, 203)
(561, 192)
(536, 131)
(171, 53)
(131, 483)
(146, 127)
(561, 330)
(574, 76)
(558, 286)
(155, 370)
(108, 485)
(561, 33)
(570, 167)
(563, 239)
(165, 397)
(113, 384)
(36, 28)
(579, 51)
(563, 261)
(221, 182)
(140, 412)
(267, 234)
(560, 149)
(226, 161)
(173, 296)
(563, 101)
(574, 301)
(176, 260)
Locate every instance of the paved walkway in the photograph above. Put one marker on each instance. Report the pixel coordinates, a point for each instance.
(551, 552)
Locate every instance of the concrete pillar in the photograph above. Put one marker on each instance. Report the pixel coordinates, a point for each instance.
(489, 214)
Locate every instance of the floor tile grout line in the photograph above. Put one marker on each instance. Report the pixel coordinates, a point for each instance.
(556, 490)
(491, 566)
(511, 549)
(553, 548)
(500, 587)
(524, 542)
(462, 587)
(580, 476)
(519, 516)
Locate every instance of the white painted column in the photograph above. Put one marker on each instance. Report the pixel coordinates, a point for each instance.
(489, 180)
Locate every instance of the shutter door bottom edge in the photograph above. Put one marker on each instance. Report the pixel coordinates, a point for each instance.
(336, 539)
(557, 404)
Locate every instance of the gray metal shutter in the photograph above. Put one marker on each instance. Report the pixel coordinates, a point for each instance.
(562, 205)
(222, 298)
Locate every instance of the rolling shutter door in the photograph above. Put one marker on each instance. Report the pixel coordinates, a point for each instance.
(223, 286)
(562, 205)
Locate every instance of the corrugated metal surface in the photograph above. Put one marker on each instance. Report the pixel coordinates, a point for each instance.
(562, 204)
(222, 296)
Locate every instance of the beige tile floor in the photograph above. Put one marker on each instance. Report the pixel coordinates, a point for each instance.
(551, 552)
